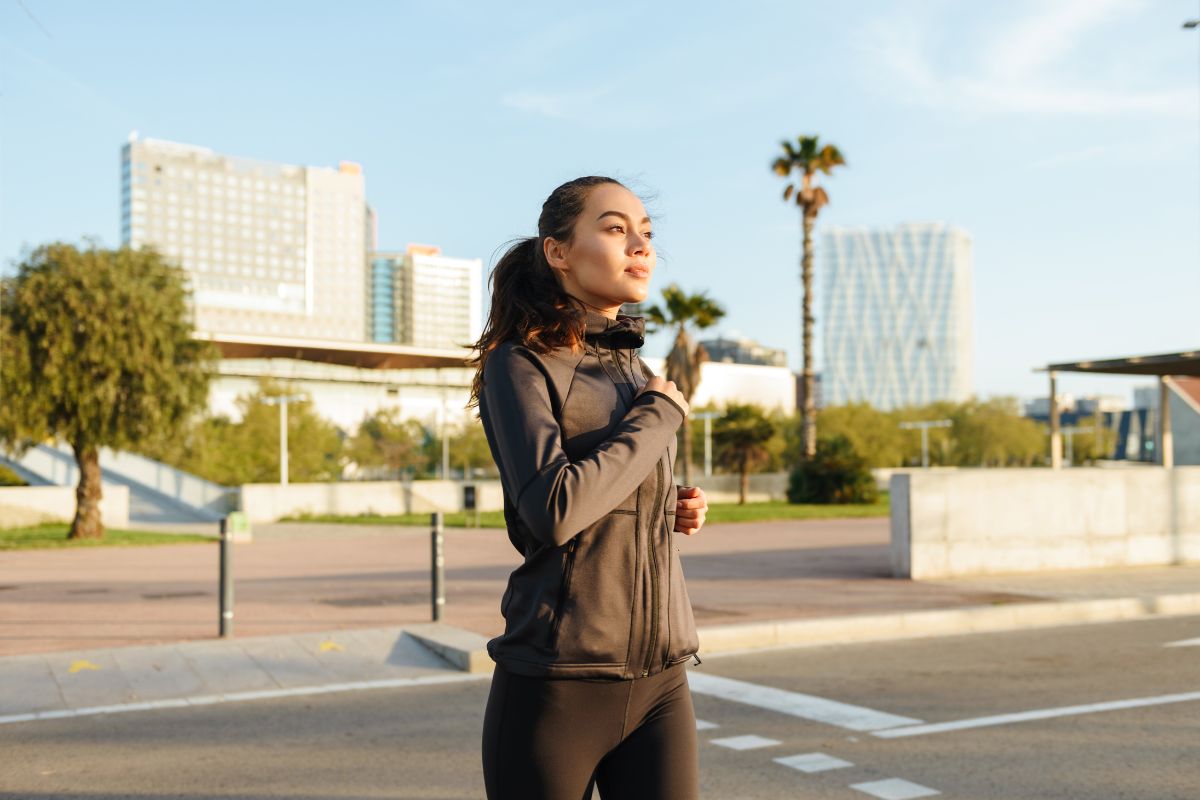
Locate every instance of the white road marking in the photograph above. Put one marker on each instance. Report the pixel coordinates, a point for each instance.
(894, 789)
(813, 762)
(805, 706)
(746, 742)
(1184, 643)
(234, 697)
(1044, 713)
(702, 725)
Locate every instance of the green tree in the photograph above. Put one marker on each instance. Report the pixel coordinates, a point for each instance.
(835, 474)
(469, 449)
(993, 434)
(1089, 446)
(98, 351)
(874, 434)
(741, 438)
(247, 451)
(807, 157)
(386, 442)
(685, 358)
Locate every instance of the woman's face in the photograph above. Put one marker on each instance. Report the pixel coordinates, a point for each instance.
(610, 257)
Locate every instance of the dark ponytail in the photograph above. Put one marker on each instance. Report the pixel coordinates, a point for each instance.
(529, 303)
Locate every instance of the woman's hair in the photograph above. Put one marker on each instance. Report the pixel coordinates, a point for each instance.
(528, 301)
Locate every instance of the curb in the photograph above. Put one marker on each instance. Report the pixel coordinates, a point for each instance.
(465, 650)
(457, 647)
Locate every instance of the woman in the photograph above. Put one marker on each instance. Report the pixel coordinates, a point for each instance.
(590, 686)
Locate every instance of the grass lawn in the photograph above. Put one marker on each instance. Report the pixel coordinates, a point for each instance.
(53, 535)
(717, 512)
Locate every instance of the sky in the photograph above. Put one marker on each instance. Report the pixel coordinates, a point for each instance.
(1062, 135)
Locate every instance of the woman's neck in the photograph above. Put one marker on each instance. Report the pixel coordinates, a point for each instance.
(610, 312)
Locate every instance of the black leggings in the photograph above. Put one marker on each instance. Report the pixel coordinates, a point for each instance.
(553, 739)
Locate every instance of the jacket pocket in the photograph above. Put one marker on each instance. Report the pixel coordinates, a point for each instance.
(684, 638)
(564, 591)
(596, 607)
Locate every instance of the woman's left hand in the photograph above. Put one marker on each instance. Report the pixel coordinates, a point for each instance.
(691, 506)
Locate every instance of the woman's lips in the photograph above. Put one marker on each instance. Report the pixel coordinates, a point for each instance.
(638, 272)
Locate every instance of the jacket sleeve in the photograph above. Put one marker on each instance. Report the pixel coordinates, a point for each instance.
(556, 497)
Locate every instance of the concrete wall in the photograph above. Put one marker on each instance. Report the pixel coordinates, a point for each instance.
(723, 488)
(268, 502)
(991, 521)
(33, 505)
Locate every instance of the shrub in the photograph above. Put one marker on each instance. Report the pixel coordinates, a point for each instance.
(836, 474)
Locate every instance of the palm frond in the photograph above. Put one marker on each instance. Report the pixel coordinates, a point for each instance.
(654, 316)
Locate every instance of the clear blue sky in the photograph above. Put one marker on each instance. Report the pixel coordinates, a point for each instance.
(1063, 135)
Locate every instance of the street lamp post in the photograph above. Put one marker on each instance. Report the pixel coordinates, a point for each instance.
(282, 401)
(707, 416)
(925, 426)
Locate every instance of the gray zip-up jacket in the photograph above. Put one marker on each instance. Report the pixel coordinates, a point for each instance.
(589, 501)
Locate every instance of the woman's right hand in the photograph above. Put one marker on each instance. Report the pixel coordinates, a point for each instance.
(659, 384)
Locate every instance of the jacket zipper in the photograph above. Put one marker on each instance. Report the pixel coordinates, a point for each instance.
(562, 597)
(650, 535)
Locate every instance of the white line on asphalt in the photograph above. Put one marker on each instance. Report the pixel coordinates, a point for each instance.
(1184, 643)
(813, 762)
(746, 742)
(702, 725)
(1044, 713)
(894, 789)
(805, 706)
(234, 697)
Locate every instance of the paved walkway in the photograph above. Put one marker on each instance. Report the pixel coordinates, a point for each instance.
(320, 605)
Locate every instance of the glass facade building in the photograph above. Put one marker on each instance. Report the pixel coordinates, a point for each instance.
(269, 249)
(422, 298)
(897, 315)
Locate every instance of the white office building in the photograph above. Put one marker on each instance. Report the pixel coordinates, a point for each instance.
(269, 249)
(897, 315)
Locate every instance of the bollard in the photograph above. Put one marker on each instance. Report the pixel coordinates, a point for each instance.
(439, 566)
(225, 625)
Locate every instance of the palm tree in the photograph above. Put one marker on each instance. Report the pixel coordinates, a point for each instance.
(806, 158)
(741, 435)
(685, 358)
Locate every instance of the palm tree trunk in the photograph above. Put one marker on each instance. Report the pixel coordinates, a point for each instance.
(743, 487)
(87, 524)
(808, 413)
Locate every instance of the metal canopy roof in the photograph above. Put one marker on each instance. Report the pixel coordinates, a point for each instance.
(369, 355)
(1186, 363)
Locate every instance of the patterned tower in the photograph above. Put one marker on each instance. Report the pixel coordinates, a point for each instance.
(897, 315)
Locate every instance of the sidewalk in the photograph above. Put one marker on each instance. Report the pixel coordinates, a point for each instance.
(325, 608)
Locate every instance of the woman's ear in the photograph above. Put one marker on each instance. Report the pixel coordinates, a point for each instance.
(555, 253)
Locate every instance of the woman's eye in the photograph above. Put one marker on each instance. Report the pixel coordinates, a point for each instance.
(616, 228)
(649, 234)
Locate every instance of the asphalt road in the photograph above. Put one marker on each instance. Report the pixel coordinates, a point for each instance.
(845, 703)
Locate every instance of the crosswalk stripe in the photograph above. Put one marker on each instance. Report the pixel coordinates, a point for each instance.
(1043, 713)
(796, 704)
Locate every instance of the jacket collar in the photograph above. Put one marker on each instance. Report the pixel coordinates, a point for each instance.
(624, 332)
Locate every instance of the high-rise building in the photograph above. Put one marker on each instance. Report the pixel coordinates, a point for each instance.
(897, 315)
(422, 298)
(269, 249)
